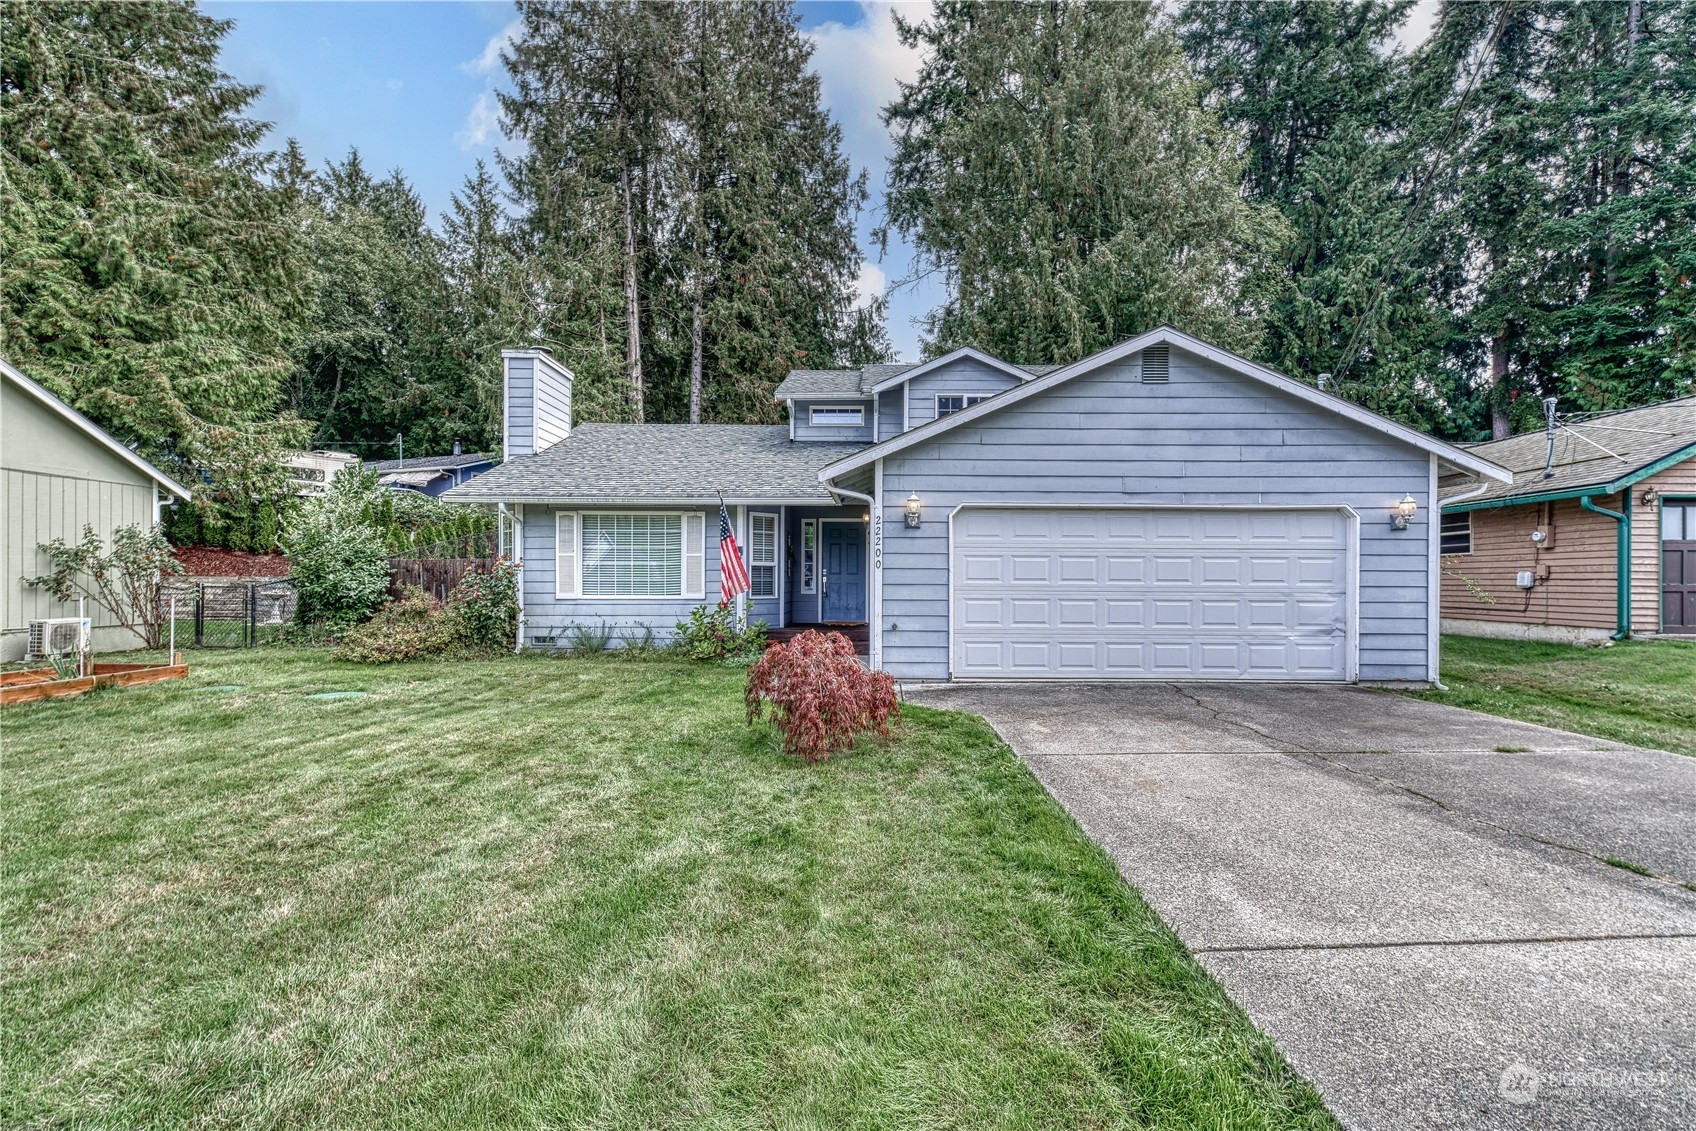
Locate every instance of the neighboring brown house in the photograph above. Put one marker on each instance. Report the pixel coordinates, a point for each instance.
(1540, 559)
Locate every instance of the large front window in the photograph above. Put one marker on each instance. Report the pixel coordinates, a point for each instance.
(632, 555)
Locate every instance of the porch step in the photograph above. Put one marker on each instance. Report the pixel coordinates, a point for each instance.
(858, 633)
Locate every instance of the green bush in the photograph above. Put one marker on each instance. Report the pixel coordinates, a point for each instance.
(337, 557)
(480, 616)
(710, 633)
(410, 627)
(484, 608)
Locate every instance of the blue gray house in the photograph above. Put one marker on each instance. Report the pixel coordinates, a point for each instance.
(1162, 509)
(431, 475)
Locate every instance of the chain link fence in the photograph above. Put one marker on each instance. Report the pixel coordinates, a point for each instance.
(231, 614)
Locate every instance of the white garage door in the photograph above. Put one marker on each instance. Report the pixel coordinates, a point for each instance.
(1150, 594)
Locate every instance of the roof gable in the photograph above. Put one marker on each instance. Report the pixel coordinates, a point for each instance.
(908, 373)
(1449, 454)
(86, 426)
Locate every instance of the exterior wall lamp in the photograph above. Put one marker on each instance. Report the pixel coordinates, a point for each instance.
(1403, 514)
(913, 508)
(1649, 496)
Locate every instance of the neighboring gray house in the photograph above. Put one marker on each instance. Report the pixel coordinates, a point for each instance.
(61, 471)
(431, 475)
(1162, 509)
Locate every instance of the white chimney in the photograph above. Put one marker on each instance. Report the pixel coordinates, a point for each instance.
(537, 393)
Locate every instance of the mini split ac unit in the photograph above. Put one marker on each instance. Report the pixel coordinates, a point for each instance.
(57, 636)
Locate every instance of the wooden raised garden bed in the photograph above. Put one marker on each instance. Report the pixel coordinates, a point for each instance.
(43, 683)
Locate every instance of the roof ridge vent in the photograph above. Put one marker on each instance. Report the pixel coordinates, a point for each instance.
(1157, 364)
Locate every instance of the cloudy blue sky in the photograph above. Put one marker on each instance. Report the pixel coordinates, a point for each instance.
(412, 86)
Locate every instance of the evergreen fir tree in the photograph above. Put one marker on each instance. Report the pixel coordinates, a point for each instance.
(1054, 163)
(684, 198)
(150, 275)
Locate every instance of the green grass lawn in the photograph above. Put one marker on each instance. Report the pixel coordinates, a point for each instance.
(1642, 692)
(537, 892)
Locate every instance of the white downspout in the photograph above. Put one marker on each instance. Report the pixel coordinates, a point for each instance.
(874, 591)
(1434, 598)
(518, 579)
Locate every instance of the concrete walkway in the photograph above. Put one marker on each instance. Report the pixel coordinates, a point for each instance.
(1413, 900)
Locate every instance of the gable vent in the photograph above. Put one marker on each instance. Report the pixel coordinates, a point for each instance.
(1156, 365)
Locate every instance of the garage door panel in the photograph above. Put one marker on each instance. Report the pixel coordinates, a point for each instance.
(1076, 593)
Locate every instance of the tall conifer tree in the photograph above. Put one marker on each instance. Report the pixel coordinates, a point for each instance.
(150, 274)
(1053, 162)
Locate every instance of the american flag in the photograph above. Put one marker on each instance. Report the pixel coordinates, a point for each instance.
(732, 573)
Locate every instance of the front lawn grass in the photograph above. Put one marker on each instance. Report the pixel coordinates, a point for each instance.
(1640, 691)
(536, 892)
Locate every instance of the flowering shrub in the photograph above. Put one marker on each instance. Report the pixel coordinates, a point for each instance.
(484, 607)
(710, 633)
(820, 695)
(411, 626)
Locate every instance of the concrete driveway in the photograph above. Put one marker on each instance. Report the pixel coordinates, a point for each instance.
(1413, 900)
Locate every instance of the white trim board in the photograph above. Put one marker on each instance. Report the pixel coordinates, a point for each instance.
(1457, 458)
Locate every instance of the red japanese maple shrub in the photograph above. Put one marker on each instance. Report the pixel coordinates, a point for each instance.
(820, 696)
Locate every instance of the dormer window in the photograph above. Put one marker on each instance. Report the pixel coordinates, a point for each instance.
(837, 416)
(947, 403)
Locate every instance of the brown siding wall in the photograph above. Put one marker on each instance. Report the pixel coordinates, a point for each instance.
(1646, 543)
(1579, 591)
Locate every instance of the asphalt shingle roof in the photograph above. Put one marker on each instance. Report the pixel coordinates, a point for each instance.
(1588, 454)
(430, 463)
(802, 383)
(662, 462)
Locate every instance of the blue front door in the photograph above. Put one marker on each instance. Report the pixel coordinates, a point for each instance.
(844, 571)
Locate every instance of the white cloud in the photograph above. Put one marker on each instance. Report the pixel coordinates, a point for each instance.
(858, 68)
(490, 57)
(395, 84)
(869, 285)
(482, 124)
(1419, 24)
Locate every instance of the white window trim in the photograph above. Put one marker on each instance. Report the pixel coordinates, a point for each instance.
(813, 420)
(567, 581)
(776, 558)
(575, 592)
(808, 588)
(1441, 534)
(967, 400)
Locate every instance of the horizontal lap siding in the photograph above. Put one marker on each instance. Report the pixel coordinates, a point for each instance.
(550, 420)
(520, 407)
(967, 375)
(1210, 437)
(1579, 592)
(804, 430)
(1646, 543)
(889, 413)
(548, 615)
